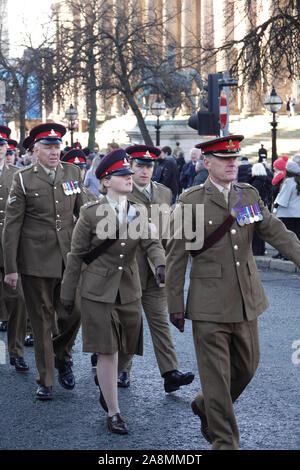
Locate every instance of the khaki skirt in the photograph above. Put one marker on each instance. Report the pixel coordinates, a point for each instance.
(108, 328)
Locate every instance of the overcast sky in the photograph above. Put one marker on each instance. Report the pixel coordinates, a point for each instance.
(26, 16)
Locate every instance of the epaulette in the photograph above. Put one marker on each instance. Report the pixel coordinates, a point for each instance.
(26, 168)
(161, 186)
(244, 185)
(191, 191)
(91, 203)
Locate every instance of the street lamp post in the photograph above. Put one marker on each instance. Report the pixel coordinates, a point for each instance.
(71, 115)
(158, 108)
(273, 104)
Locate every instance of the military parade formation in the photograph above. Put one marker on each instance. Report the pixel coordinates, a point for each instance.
(71, 260)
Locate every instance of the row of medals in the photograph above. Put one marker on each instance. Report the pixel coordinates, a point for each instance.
(71, 187)
(249, 215)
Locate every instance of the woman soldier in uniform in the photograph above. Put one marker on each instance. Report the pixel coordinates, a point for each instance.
(110, 288)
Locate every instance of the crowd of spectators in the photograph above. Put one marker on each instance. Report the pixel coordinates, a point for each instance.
(279, 187)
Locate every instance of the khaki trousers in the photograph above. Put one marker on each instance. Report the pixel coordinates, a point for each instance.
(42, 296)
(3, 311)
(154, 303)
(227, 356)
(16, 315)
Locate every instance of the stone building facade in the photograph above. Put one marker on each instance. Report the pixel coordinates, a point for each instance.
(209, 22)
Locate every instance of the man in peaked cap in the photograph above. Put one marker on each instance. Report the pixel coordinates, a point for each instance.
(4, 135)
(11, 151)
(13, 299)
(37, 237)
(153, 196)
(28, 145)
(225, 294)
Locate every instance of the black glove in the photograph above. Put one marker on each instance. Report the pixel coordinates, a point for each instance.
(177, 319)
(160, 274)
(68, 305)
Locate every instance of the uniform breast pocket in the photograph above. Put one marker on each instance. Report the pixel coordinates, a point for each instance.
(38, 199)
(68, 199)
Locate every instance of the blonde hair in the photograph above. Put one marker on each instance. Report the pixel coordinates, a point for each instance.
(103, 188)
(95, 163)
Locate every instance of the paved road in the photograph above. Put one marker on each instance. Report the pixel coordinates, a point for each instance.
(267, 412)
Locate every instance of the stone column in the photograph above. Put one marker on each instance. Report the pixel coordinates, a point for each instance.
(171, 26)
(207, 30)
(249, 20)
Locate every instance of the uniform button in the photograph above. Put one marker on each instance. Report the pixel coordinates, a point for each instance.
(36, 194)
(1, 198)
(238, 263)
(210, 222)
(1, 212)
(121, 256)
(149, 219)
(233, 231)
(149, 206)
(0, 185)
(58, 215)
(54, 187)
(123, 244)
(56, 202)
(120, 268)
(236, 247)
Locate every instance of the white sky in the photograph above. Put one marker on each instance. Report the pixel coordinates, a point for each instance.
(26, 16)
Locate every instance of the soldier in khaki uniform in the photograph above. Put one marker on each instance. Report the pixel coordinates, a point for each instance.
(110, 287)
(225, 294)
(13, 300)
(37, 236)
(154, 196)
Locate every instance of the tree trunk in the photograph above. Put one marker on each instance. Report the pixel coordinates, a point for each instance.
(140, 120)
(22, 110)
(92, 118)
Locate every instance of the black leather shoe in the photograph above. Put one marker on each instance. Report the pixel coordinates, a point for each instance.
(19, 363)
(101, 398)
(124, 380)
(44, 393)
(28, 340)
(94, 359)
(3, 326)
(65, 375)
(174, 380)
(203, 419)
(116, 424)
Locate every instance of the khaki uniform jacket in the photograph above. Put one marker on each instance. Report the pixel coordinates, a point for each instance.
(224, 278)
(5, 184)
(161, 197)
(116, 269)
(40, 219)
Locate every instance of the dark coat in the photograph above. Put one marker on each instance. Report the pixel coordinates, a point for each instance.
(200, 177)
(166, 172)
(244, 173)
(187, 175)
(264, 187)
